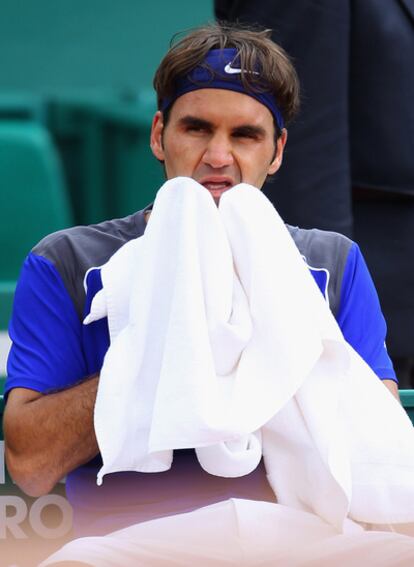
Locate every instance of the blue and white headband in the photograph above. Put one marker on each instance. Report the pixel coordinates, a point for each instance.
(221, 70)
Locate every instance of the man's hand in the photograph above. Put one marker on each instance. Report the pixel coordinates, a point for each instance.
(47, 436)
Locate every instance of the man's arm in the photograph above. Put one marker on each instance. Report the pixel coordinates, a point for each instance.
(47, 436)
(392, 387)
(361, 320)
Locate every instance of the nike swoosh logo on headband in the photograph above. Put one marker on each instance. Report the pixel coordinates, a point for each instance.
(231, 70)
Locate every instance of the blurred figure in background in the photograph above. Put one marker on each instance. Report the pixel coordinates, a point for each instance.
(349, 166)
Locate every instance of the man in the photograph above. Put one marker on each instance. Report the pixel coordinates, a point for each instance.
(224, 96)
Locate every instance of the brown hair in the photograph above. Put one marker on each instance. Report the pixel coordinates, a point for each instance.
(256, 50)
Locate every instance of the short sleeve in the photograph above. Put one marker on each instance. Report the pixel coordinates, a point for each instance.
(46, 333)
(360, 317)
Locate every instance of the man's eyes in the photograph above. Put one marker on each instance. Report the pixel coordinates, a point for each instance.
(244, 135)
(239, 134)
(202, 128)
(247, 135)
(196, 129)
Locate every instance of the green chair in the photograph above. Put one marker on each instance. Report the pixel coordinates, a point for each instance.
(104, 143)
(407, 400)
(33, 198)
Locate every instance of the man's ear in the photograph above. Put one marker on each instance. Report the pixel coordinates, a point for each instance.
(280, 146)
(156, 136)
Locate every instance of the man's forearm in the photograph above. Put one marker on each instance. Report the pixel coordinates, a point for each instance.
(392, 387)
(47, 436)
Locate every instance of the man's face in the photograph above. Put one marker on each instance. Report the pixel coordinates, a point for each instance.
(219, 138)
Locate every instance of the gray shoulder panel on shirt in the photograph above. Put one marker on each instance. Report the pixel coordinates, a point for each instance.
(73, 251)
(326, 250)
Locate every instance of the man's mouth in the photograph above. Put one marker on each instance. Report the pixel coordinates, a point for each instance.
(216, 186)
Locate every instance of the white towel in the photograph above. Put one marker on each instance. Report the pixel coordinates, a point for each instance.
(242, 533)
(220, 338)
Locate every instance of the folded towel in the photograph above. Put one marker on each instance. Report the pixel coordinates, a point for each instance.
(215, 346)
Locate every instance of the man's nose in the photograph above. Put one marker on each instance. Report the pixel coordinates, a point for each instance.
(218, 152)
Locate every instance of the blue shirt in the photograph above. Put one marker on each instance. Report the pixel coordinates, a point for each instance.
(52, 350)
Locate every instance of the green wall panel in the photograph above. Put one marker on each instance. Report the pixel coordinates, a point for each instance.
(51, 45)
